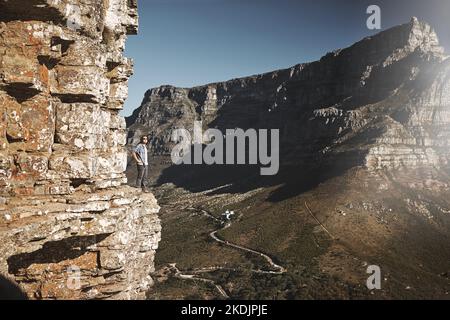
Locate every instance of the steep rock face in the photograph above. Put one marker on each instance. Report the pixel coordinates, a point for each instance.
(383, 102)
(69, 226)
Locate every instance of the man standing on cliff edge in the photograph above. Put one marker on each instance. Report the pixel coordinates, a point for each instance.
(140, 154)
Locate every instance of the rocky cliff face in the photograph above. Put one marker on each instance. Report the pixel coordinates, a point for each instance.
(384, 102)
(69, 226)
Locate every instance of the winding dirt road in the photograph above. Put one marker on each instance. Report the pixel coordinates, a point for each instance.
(191, 275)
(269, 260)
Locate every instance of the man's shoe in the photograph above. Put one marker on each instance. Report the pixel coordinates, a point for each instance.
(145, 190)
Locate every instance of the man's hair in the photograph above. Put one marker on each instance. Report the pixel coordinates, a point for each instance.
(142, 138)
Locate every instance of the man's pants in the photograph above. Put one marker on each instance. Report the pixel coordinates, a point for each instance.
(142, 176)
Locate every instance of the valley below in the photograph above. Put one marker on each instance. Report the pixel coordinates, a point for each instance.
(275, 248)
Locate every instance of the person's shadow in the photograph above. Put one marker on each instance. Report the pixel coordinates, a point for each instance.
(10, 291)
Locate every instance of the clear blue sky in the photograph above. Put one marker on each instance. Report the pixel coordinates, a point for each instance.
(194, 42)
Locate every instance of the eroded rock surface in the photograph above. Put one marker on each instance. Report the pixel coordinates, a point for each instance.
(64, 203)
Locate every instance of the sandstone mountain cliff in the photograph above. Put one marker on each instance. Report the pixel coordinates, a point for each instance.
(383, 102)
(69, 226)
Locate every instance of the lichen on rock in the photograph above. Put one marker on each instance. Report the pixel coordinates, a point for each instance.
(64, 203)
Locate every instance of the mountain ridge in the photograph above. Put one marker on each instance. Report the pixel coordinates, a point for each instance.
(367, 38)
(336, 99)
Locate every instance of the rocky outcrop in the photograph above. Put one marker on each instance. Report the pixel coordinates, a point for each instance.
(69, 226)
(384, 102)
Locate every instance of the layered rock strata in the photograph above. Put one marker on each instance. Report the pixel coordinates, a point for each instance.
(69, 226)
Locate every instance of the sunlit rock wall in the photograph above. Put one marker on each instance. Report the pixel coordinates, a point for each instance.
(69, 226)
